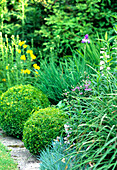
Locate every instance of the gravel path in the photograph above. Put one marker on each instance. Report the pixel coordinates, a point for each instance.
(24, 159)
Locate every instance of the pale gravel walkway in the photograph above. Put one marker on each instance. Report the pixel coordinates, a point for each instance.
(24, 159)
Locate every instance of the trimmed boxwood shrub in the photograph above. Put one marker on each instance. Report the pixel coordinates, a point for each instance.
(42, 127)
(16, 106)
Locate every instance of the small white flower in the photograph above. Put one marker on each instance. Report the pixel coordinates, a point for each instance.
(101, 56)
(101, 68)
(66, 126)
(102, 62)
(101, 52)
(114, 48)
(67, 142)
(103, 48)
(108, 68)
(65, 138)
(63, 160)
(107, 56)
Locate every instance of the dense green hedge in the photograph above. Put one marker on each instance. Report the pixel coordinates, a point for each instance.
(16, 105)
(42, 127)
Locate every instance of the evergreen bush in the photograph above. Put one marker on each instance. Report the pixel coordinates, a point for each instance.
(16, 106)
(42, 127)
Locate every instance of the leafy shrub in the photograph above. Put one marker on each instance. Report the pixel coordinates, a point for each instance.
(16, 106)
(42, 127)
(21, 18)
(56, 25)
(68, 21)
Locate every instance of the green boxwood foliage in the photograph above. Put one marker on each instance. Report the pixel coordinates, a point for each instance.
(42, 127)
(16, 106)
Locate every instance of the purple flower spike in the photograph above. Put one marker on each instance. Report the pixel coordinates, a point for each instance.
(73, 89)
(89, 82)
(83, 41)
(81, 93)
(78, 87)
(86, 36)
(86, 85)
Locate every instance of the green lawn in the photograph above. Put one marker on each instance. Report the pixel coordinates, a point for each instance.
(6, 162)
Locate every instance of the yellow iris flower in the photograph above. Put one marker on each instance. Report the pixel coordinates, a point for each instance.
(3, 79)
(33, 56)
(23, 57)
(29, 51)
(21, 43)
(36, 66)
(25, 46)
(6, 67)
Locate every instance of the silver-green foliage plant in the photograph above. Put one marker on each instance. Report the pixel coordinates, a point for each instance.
(16, 105)
(42, 127)
(54, 158)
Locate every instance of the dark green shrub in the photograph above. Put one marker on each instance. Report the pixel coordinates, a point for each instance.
(56, 25)
(16, 105)
(42, 127)
(69, 21)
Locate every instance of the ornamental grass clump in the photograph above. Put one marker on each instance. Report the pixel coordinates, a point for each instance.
(16, 106)
(54, 158)
(94, 132)
(42, 127)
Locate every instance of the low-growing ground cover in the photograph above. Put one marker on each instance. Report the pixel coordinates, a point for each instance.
(6, 162)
